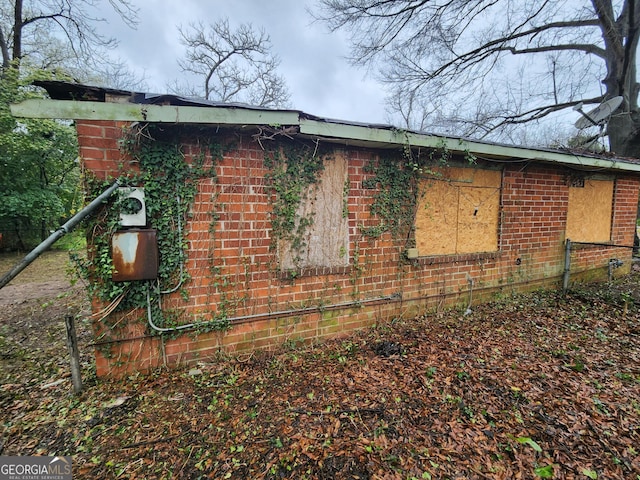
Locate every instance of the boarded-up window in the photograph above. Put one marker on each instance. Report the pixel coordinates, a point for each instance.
(589, 214)
(458, 212)
(325, 241)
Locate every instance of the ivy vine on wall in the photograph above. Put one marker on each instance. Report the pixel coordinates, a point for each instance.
(292, 170)
(170, 186)
(170, 179)
(395, 200)
(396, 179)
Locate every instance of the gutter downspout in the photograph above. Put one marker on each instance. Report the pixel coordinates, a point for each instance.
(55, 236)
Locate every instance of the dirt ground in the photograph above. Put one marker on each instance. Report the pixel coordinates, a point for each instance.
(541, 385)
(46, 277)
(33, 307)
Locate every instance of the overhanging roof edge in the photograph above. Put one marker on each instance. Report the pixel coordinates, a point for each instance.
(402, 137)
(135, 112)
(342, 131)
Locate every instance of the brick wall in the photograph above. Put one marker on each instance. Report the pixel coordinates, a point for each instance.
(231, 264)
(99, 145)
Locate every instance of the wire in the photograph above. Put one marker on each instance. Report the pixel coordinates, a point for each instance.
(106, 311)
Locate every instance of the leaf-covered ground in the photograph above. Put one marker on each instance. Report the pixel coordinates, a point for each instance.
(530, 386)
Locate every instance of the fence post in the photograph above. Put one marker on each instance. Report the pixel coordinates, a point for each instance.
(72, 345)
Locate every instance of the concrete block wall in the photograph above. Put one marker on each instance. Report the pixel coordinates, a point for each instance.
(234, 269)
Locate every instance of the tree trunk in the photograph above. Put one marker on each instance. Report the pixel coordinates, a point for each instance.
(17, 31)
(21, 244)
(6, 59)
(624, 135)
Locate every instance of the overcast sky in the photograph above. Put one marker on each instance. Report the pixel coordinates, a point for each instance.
(320, 79)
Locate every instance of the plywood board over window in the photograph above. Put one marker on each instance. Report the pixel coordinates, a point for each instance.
(458, 212)
(326, 240)
(589, 211)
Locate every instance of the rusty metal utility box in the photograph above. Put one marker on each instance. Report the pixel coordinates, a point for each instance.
(135, 255)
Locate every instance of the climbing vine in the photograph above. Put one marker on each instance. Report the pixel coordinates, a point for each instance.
(170, 186)
(396, 196)
(293, 169)
(397, 180)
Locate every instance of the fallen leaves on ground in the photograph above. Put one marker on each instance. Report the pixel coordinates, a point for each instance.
(539, 385)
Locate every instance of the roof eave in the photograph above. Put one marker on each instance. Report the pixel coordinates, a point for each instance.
(359, 135)
(340, 132)
(134, 112)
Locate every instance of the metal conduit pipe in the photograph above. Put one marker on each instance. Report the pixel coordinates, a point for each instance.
(391, 298)
(281, 313)
(612, 264)
(567, 265)
(55, 236)
(335, 306)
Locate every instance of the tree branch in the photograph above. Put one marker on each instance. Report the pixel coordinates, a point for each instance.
(496, 44)
(234, 64)
(462, 51)
(586, 47)
(538, 113)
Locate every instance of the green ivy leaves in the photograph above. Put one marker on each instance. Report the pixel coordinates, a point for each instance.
(395, 201)
(292, 171)
(170, 181)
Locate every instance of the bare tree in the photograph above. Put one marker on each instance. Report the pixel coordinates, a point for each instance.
(499, 63)
(60, 35)
(235, 65)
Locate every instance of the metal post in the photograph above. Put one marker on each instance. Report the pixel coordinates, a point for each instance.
(72, 345)
(567, 265)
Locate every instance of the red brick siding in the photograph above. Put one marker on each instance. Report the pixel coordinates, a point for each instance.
(231, 265)
(99, 142)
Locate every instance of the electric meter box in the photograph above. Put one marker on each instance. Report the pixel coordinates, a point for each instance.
(133, 212)
(135, 255)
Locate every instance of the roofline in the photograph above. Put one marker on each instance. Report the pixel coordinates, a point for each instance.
(337, 131)
(136, 112)
(481, 149)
